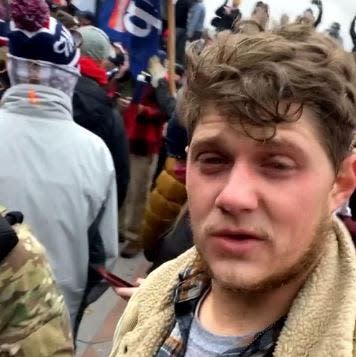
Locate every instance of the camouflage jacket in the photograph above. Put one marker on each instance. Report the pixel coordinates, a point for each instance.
(33, 317)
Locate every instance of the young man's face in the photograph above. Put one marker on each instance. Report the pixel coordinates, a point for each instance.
(258, 211)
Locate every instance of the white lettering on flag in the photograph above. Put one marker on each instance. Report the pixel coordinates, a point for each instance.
(149, 19)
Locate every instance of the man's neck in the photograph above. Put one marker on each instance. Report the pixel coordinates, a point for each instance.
(229, 313)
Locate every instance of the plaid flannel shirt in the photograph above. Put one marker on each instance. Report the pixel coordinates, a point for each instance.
(190, 289)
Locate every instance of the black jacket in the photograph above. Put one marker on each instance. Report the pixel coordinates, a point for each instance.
(223, 21)
(93, 110)
(165, 100)
(177, 240)
(182, 11)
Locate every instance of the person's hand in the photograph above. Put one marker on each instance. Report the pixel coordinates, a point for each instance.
(126, 293)
(124, 103)
(156, 70)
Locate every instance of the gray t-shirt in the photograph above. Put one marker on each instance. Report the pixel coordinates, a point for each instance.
(202, 343)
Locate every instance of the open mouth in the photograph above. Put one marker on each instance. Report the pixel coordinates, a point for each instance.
(235, 242)
(242, 237)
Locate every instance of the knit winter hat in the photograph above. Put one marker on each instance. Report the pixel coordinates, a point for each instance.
(34, 35)
(96, 43)
(41, 50)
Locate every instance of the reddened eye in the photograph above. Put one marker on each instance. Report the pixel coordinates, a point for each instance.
(278, 166)
(210, 163)
(210, 159)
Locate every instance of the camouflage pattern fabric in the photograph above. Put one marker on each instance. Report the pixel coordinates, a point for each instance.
(33, 318)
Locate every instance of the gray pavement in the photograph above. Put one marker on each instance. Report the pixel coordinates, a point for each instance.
(99, 321)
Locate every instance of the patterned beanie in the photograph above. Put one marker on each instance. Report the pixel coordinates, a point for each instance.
(37, 36)
(96, 43)
(41, 49)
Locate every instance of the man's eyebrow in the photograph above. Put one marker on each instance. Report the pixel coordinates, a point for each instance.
(211, 140)
(277, 143)
(282, 144)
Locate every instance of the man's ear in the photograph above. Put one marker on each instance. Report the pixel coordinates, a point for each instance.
(345, 182)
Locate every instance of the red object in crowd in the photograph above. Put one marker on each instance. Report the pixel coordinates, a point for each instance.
(30, 15)
(60, 2)
(91, 69)
(165, 34)
(144, 122)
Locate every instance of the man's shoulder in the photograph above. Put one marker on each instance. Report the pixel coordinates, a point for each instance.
(88, 87)
(153, 303)
(90, 143)
(31, 305)
(26, 261)
(92, 108)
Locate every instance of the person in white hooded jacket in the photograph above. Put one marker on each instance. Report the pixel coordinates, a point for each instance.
(58, 174)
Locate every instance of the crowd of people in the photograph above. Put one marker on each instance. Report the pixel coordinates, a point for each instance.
(242, 182)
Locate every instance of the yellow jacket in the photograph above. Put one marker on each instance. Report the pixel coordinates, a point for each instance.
(163, 205)
(321, 321)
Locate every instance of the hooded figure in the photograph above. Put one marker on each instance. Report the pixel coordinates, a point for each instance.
(58, 174)
(93, 108)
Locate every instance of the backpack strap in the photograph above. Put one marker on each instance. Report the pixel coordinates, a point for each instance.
(8, 237)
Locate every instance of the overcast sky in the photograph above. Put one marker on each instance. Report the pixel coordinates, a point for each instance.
(341, 11)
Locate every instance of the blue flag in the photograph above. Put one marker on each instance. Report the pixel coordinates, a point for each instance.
(136, 24)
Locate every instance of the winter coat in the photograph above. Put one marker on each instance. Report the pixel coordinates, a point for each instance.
(177, 240)
(34, 320)
(93, 110)
(225, 21)
(165, 100)
(182, 11)
(163, 205)
(62, 178)
(176, 139)
(169, 194)
(144, 123)
(320, 322)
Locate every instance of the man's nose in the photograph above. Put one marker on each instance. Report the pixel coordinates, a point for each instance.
(239, 191)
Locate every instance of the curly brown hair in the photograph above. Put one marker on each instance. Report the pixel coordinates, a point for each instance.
(255, 79)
